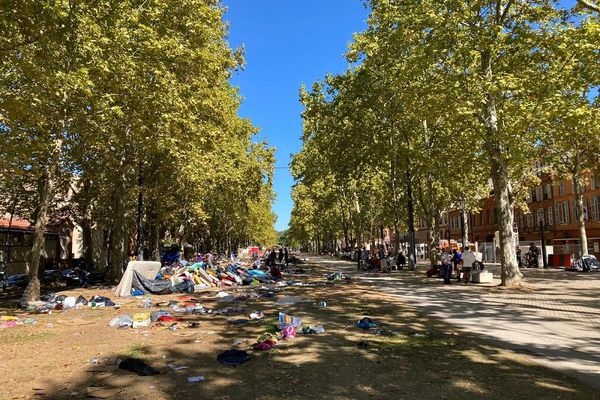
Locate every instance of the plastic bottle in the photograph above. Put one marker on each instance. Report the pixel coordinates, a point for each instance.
(322, 304)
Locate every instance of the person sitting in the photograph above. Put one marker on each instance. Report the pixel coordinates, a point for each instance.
(276, 273)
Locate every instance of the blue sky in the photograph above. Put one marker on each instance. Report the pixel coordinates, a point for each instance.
(288, 42)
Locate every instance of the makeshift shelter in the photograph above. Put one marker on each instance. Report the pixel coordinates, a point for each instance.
(146, 269)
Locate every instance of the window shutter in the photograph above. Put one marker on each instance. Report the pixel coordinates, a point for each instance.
(550, 216)
(558, 213)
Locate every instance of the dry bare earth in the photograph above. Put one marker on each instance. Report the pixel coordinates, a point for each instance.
(413, 357)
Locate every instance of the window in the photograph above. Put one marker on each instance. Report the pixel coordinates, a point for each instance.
(539, 193)
(548, 192)
(596, 208)
(550, 216)
(529, 223)
(561, 188)
(540, 216)
(565, 212)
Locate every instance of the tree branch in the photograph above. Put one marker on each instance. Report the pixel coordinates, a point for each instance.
(589, 5)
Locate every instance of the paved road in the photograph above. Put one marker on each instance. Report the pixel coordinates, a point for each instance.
(555, 317)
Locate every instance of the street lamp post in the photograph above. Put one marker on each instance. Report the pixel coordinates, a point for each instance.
(543, 242)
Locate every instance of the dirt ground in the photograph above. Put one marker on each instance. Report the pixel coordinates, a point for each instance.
(409, 356)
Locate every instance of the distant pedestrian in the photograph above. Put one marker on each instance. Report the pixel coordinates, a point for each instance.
(281, 255)
(286, 256)
(272, 257)
(457, 262)
(401, 260)
(468, 259)
(446, 265)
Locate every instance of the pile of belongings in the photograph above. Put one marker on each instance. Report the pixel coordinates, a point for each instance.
(52, 301)
(173, 275)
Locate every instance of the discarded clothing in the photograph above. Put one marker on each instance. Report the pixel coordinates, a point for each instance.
(233, 357)
(366, 323)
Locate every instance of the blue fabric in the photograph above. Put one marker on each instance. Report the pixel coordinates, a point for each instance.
(366, 323)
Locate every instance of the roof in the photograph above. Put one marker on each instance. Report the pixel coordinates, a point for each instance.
(20, 224)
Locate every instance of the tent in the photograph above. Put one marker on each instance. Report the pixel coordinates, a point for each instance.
(147, 269)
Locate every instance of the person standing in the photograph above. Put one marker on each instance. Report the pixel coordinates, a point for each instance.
(468, 259)
(457, 262)
(273, 257)
(446, 265)
(534, 252)
(401, 260)
(280, 255)
(286, 256)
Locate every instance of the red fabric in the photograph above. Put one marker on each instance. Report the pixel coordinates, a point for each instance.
(266, 345)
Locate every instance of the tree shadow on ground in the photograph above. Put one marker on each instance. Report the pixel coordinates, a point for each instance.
(408, 356)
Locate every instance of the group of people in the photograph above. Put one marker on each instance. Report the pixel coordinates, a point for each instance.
(451, 261)
(272, 256)
(380, 260)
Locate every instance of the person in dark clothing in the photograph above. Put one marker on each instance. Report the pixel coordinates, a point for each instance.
(286, 256)
(272, 257)
(280, 255)
(401, 260)
(534, 253)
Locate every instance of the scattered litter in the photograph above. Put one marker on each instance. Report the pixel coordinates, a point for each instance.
(123, 321)
(176, 368)
(256, 315)
(322, 304)
(141, 320)
(366, 323)
(310, 330)
(105, 361)
(193, 379)
(233, 357)
(288, 321)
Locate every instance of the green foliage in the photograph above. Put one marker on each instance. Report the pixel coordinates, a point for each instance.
(466, 96)
(138, 92)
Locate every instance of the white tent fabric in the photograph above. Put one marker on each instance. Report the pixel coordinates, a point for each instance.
(148, 269)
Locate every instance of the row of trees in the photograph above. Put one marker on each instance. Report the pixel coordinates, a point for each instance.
(119, 114)
(444, 103)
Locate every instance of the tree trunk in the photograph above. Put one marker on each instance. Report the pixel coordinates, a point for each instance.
(118, 227)
(32, 292)
(578, 189)
(434, 237)
(510, 276)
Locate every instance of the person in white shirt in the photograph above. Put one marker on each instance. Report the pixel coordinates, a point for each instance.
(446, 265)
(468, 258)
